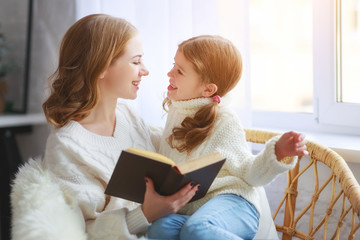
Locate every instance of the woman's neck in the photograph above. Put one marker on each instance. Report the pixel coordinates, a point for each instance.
(102, 119)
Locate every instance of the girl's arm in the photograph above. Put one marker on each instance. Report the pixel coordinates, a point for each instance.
(230, 140)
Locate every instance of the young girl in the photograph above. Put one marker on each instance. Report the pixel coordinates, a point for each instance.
(206, 68)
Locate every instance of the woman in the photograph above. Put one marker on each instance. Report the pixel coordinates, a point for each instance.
(101, 61)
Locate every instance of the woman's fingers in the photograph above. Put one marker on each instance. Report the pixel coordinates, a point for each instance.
(150, 189)
(156, 206)
(184, 195)
(188, 189)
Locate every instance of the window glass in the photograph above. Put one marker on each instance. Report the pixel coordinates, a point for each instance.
(350, 51)
(281, 55)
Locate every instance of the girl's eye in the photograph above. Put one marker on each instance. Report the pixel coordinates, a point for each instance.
(177, 70)
(137, 63)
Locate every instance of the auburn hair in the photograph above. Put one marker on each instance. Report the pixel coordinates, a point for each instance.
(217, 61)
(87, 49)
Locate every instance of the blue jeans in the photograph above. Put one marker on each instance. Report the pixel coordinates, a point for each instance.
(224, 217)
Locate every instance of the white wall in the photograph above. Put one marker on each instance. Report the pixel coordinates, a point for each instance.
(51, 18)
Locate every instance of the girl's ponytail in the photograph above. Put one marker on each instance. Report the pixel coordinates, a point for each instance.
(194, 130)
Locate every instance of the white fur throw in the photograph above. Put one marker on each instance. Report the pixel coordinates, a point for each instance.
(41, 209)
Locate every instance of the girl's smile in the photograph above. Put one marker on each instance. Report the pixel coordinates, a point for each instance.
(171, 87)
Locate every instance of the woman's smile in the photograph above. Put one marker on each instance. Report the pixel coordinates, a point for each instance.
(136, 84)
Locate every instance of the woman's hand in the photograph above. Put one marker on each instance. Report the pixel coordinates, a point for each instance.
(290, 144)
(156, 206)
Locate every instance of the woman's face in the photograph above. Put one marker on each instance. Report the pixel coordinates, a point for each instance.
(123, 77)
(185, 83)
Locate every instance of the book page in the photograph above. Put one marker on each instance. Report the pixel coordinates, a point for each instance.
(198, 163)
(152, 155)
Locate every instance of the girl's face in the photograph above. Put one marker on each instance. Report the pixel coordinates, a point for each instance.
(185, 83)
(122, 78)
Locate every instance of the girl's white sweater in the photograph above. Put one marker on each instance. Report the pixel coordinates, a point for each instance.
(242, 171)
(83, 163)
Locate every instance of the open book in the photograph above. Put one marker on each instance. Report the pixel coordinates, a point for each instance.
(127, 180)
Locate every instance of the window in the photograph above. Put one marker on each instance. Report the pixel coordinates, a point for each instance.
(302, 77)
(348, 51)
(281, 55)
(305, 71)
(335, 76)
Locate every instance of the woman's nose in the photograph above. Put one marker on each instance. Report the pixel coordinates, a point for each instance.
(144, 71)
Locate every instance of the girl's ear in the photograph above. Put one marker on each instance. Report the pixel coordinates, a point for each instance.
(209, 90)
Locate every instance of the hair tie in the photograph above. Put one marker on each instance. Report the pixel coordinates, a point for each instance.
(216, 98)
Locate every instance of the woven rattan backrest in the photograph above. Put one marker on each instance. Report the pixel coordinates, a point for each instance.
(339, 191)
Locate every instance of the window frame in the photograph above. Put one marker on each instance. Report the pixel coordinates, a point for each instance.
(327, 55)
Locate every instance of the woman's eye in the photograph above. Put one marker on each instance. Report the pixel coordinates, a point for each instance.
(179, 72)
(137, 63)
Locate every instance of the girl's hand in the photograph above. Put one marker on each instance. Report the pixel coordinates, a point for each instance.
(290, 144)
(156, 206)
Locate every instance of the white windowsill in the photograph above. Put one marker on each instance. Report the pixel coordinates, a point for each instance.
(342, 139)
(16, 120)
(347, 146)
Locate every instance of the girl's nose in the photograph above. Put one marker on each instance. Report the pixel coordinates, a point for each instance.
(170, 73)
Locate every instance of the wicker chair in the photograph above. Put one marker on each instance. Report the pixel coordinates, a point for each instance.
(297, 215)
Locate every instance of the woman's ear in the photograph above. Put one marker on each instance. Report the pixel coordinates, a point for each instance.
(209, 90)
(102, 75)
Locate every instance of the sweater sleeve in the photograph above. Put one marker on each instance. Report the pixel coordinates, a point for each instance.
(116, 224)
(105, 219)
(256, 170)
(155, 135)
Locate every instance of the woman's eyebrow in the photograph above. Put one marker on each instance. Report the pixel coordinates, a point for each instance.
(139, 55)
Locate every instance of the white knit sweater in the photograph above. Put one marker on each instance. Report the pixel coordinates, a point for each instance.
(83, 163)
(242, 170)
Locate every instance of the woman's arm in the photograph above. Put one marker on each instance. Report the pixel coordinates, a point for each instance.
(107, 217)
